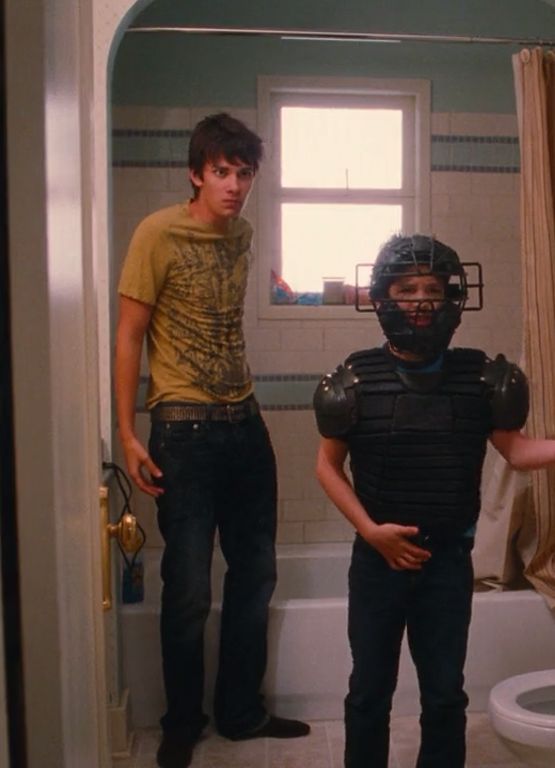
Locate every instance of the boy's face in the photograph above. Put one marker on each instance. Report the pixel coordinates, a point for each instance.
(223, 188)
(418, 295)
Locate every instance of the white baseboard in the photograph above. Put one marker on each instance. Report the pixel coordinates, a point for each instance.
(119, 724)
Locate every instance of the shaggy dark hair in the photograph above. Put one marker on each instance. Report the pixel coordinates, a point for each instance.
(221, 135)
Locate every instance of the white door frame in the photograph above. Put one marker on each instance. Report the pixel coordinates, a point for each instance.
(3, 706)
(110, 19)
(58, 54)
(55, 379)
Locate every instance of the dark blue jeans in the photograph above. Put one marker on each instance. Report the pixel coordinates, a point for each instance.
(434, 605)
(217, 475)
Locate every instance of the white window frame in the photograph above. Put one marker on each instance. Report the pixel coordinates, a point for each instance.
(275, 92)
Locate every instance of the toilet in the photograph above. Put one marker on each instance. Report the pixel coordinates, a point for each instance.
(522, 712)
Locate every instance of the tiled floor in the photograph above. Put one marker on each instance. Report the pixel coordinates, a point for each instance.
(322, 749)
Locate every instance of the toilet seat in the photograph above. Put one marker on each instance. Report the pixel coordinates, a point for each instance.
(514, 721)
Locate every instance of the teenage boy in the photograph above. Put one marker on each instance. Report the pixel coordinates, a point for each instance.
(210, 464)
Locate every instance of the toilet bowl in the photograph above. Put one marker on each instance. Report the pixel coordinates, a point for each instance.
(522, 712)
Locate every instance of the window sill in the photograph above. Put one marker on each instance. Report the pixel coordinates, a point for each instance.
(321, 312)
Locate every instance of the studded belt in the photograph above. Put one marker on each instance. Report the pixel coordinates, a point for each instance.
(232, 412)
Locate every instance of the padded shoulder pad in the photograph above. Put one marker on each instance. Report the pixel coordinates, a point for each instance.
(335, 403)
(509, 393)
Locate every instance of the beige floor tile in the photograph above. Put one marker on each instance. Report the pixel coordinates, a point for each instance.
(198, 756)
(126, 762)
(145, 747)
(405, 757)
(336, 740)
(323, 748)
(222, 753)
(337, 752)
(150, 762)
(147, 741)
(484, 750)
(310, 751)
(335, 728)
(405, 740)
(483, 745)
(405, 731)
(504, 765)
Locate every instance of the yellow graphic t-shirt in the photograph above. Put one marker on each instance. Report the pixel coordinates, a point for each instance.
(195, 278)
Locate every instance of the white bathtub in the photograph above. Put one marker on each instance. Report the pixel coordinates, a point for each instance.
(309, 659)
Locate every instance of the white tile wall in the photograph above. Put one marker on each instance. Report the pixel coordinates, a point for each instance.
(476, 213)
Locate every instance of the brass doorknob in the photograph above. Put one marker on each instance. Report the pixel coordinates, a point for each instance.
(126, 531)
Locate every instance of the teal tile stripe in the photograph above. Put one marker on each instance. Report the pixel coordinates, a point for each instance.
(150, 148)
(286, 392)
(167, 148)
(274, 392)
(477, 154)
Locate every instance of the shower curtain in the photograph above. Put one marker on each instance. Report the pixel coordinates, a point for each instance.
(518, 515)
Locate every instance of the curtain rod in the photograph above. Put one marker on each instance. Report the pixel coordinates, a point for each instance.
(335, 36)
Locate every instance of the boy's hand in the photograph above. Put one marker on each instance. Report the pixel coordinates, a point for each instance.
(138, 462)
(393, 543)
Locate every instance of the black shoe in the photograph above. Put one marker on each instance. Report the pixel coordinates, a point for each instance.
(175, 750)
(276, 728)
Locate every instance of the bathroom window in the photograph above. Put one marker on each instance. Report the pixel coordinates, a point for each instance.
(347, 165)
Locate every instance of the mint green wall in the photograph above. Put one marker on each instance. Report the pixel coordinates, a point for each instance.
(180, 70)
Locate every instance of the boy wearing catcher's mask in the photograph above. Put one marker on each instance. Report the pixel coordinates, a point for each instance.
(415, 417)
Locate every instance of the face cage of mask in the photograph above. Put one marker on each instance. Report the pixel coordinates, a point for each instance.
(405, 335)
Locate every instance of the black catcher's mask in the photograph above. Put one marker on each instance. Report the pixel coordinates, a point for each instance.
(418, 255)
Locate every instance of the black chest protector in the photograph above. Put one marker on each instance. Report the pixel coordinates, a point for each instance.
(419, 442)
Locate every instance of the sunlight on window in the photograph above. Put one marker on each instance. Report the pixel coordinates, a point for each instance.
(341, 148)
(324, 240)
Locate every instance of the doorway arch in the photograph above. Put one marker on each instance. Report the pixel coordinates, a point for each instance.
(110, 20)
